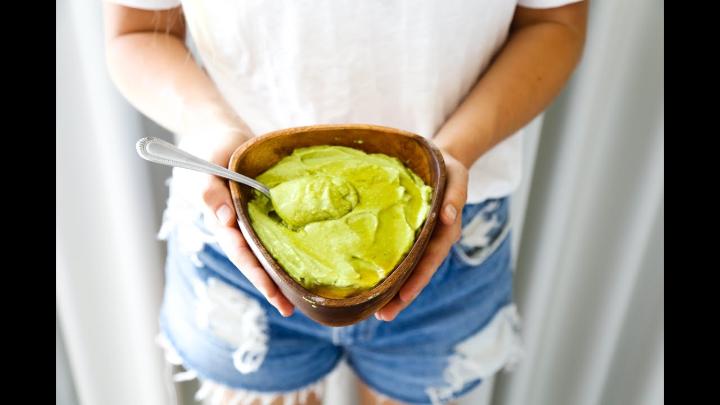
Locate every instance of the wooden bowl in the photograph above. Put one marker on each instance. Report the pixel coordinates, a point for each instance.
(261, 153)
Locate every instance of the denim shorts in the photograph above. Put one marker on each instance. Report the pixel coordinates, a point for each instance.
(461, 329)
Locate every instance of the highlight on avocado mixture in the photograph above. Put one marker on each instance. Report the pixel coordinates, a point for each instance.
(340, 220)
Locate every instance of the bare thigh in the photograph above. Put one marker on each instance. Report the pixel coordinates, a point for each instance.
(370, 397)
(230, 397)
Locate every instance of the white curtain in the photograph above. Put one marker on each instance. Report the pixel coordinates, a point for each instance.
(108, 261)
(590, 269)
(588, 225)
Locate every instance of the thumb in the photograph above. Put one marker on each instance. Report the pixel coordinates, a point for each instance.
(217, 199)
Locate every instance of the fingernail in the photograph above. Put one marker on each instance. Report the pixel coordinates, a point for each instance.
(451, 212)
(224, 214)
(377, 316)
(277, 308)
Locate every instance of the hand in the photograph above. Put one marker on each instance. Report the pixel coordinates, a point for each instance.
(217, 199)
(447, 232)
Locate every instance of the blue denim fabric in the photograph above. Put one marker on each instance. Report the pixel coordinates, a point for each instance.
(399, 359)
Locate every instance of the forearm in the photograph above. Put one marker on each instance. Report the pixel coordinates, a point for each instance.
(525, 76)
(155, 71)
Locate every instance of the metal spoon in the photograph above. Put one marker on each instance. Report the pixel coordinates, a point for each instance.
(158, 151)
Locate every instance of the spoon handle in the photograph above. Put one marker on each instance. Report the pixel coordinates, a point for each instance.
(164, 153)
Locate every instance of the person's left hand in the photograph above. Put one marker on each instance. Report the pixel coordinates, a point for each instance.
(447, 232)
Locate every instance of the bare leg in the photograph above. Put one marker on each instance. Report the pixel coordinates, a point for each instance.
(370, 397)
(311, 400)
(227, 396)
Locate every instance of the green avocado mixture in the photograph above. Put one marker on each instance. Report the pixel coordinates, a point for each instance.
(340, 220)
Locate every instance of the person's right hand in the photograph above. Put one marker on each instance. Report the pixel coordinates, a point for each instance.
(218, 201)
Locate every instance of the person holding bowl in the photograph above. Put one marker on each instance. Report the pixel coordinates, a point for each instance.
(469, 75)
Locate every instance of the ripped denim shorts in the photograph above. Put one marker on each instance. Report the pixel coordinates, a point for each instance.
(461, 329)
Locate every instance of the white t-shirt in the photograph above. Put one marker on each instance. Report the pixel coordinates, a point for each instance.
(399, 63)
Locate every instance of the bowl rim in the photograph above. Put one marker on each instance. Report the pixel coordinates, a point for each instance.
(243, 218)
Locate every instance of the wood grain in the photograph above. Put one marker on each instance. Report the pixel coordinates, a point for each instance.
(261, 153)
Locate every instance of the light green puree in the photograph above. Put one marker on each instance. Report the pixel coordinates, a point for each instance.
(340, 220)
